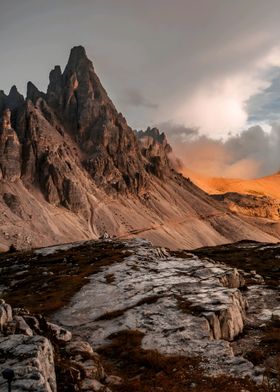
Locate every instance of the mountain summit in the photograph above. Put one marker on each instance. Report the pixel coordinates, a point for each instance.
(72, 168)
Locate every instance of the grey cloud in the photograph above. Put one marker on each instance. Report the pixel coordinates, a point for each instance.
(179, 132)
(134, 97)
(265, 106)
(166, 48)
(252, 153)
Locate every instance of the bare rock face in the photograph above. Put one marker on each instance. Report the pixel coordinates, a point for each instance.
(10, 150)
(30, 357)
(60, 334)
(156, 149)
(47, 160)
(6, 120)
(13, 101)
(80, 101)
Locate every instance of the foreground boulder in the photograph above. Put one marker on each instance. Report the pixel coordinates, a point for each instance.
(32, 360)
(44, 356)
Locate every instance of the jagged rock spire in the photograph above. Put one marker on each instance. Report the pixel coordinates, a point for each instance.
(12, 101)
(77, 94)
(77, 55)
(33, 93)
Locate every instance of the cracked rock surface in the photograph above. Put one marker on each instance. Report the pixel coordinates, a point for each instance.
(186, 306)
(31, 358)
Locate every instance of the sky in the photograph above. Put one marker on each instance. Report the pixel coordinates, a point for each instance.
(207, 72)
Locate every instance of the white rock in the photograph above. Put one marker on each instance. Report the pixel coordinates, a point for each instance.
(31, 358)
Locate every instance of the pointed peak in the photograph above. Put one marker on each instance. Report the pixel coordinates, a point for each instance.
(57, 70)
(78, 51)
(31, 88)
(12, 101)
(13, 91)
(77, 55)
(32, 92)
(15, 98)
(55, 74)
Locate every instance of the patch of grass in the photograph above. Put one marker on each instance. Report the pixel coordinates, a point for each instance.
(267, 353)
(47, 283)
(149, 371)
(270, 340)
(148, 300)
(119, 312)
(264, 261)
(111, 315)
(187, 307)
(110, 278)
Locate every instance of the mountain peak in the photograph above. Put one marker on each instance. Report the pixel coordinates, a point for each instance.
(77, 54)
(13, 91)
(78, 50)
(12, 101)
(32, 92)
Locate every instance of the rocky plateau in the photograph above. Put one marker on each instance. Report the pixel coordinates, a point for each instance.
(217, 320)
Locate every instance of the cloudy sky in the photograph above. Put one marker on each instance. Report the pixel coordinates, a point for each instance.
(205, 69)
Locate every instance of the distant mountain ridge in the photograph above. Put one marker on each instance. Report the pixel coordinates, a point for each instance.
(72, 168)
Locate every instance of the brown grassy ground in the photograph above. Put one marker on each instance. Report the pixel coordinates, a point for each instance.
(149, 371)
(44, 284)
(264, 262)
